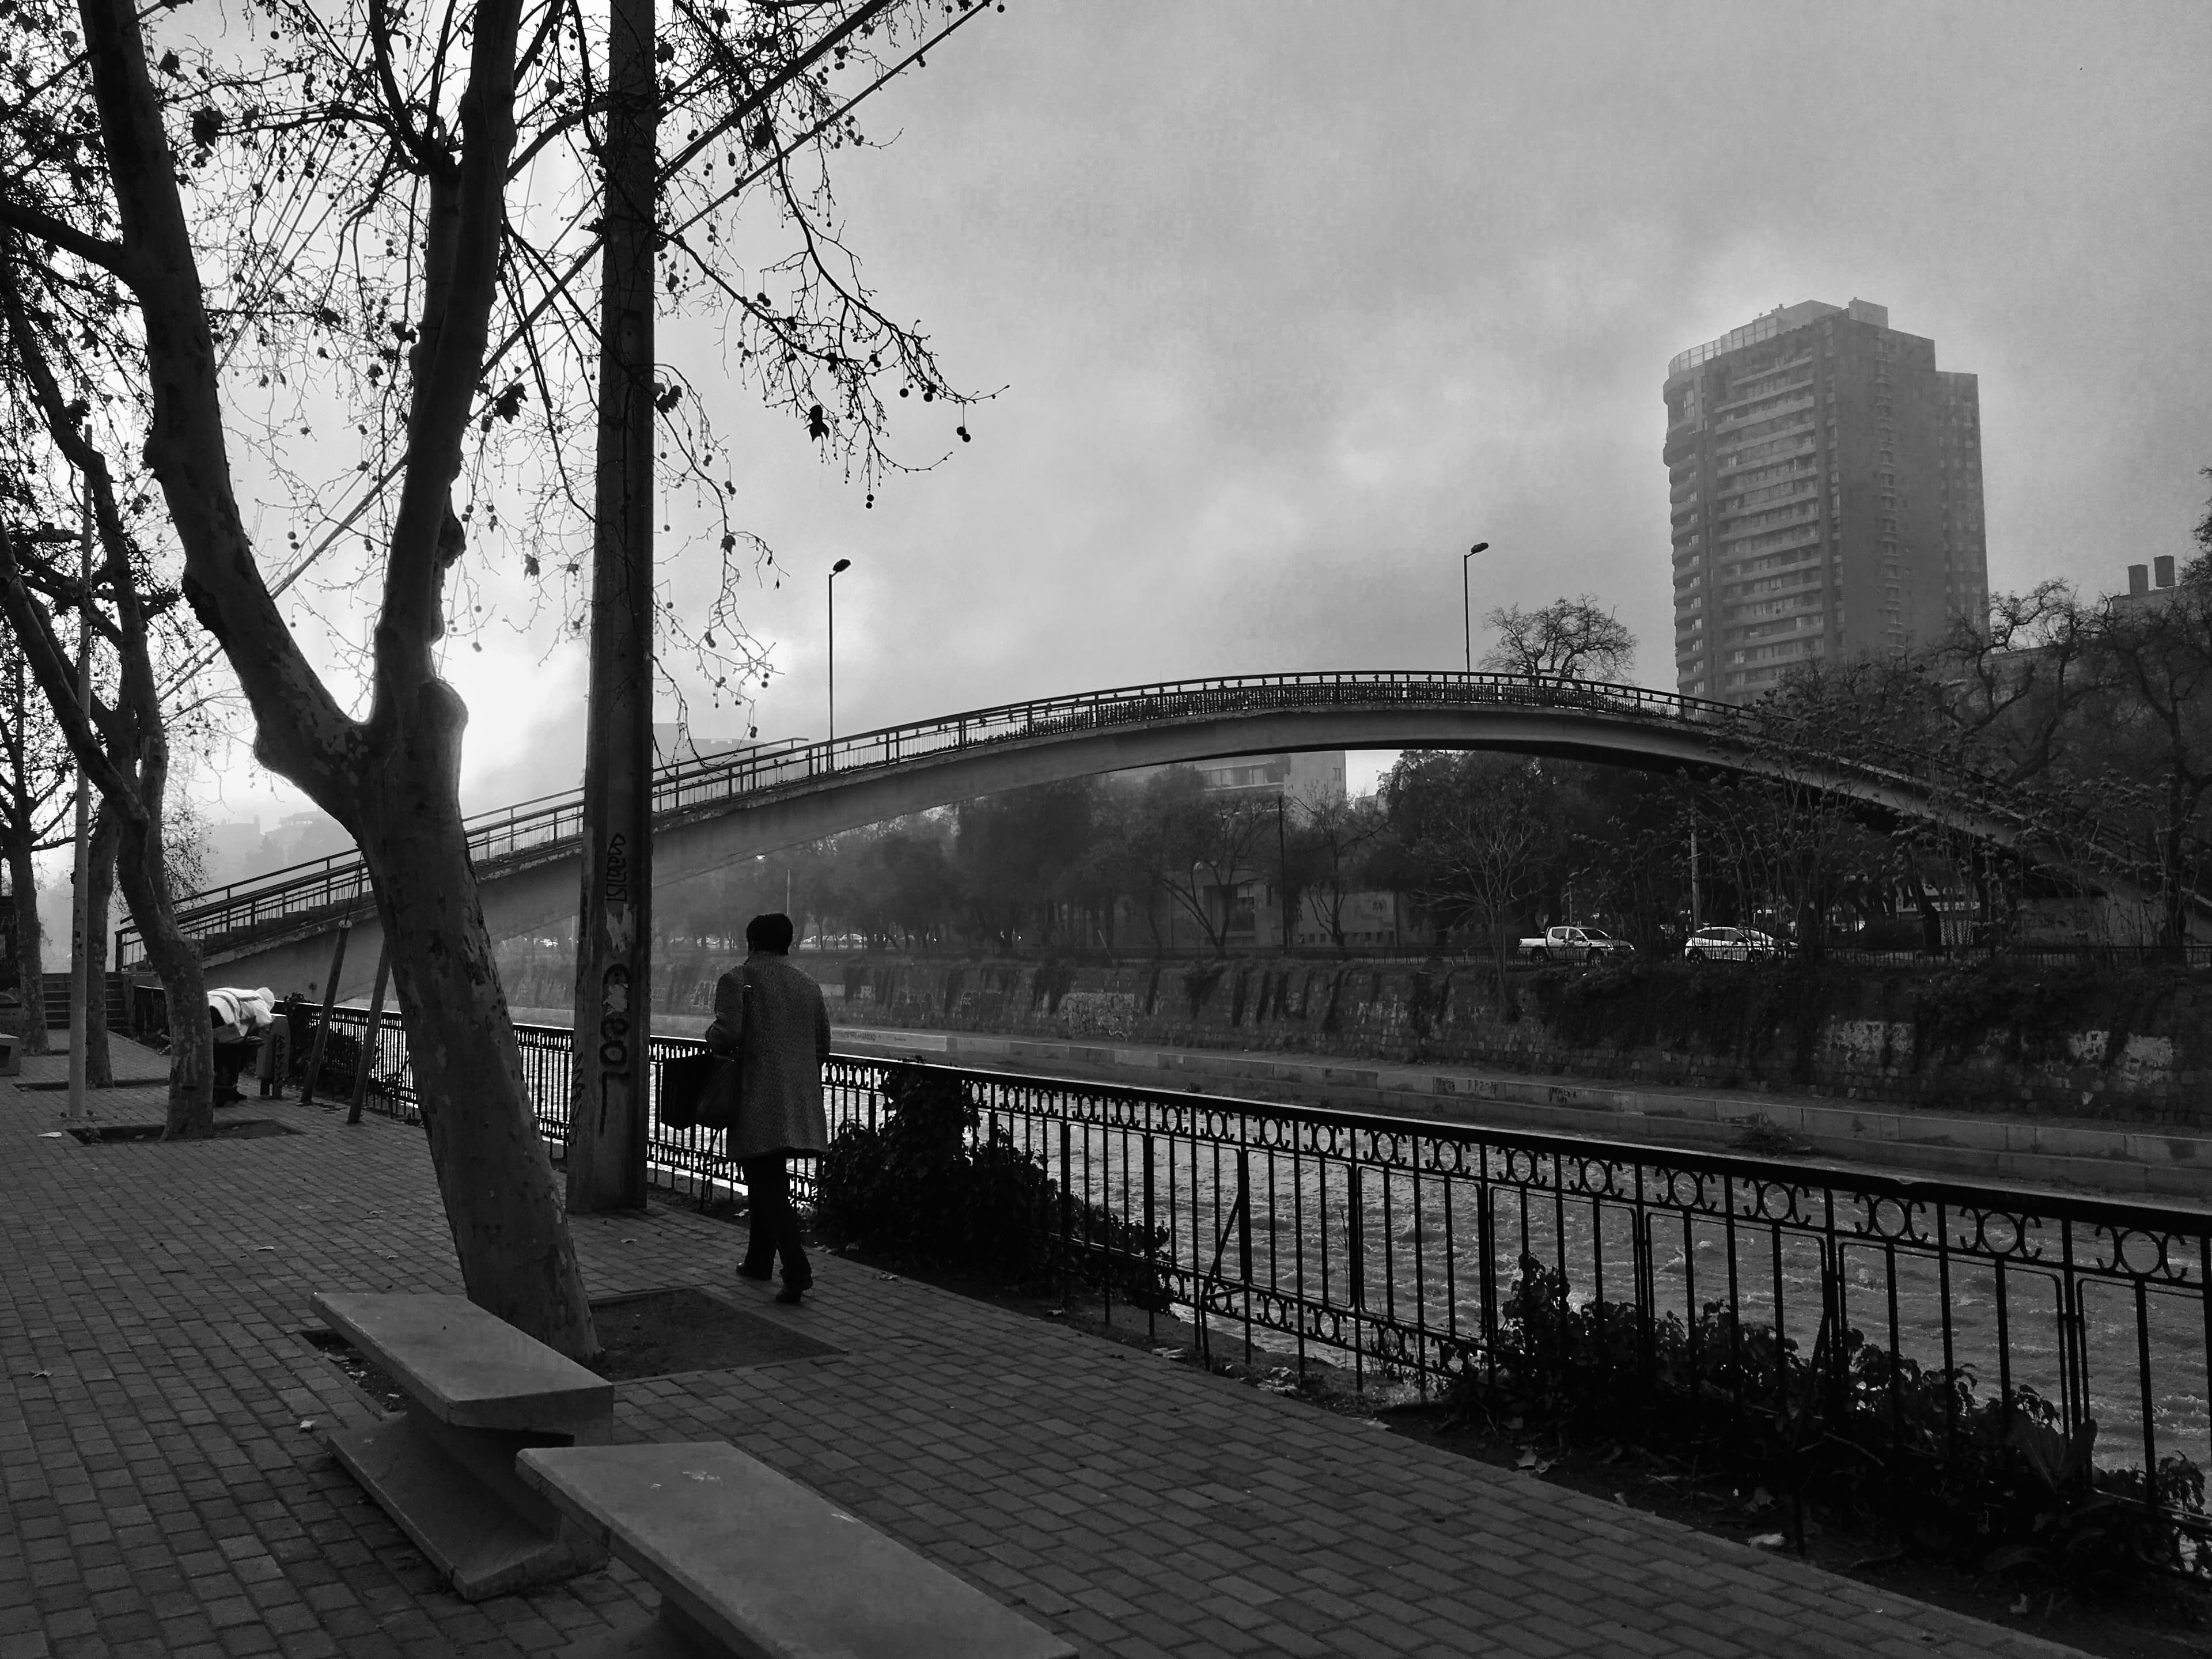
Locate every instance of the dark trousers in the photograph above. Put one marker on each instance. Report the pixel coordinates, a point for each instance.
(230, 1060)
(775, 1221)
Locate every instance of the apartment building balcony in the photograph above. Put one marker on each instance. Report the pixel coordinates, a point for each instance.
(1723, 427)
(1810, 526)
(1735, 507)
(1732, 459)
(1767, 394)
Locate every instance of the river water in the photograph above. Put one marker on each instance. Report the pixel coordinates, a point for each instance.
(1410, 1249)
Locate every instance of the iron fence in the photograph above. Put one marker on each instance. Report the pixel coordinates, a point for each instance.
(517, 836)
(1417, 1250)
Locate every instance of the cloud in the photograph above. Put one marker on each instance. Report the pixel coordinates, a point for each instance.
(1291, 303)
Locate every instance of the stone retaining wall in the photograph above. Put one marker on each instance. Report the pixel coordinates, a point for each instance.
(2128, 1044)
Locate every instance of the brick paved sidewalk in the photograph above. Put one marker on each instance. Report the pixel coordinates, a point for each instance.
(160, 1495)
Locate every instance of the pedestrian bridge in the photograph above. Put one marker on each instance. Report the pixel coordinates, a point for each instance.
(710, 813)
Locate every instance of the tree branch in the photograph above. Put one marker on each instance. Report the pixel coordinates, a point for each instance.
(46, 228)
(56, 677)
(302, 733)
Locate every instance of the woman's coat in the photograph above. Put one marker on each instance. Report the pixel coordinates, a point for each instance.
(776, 1014)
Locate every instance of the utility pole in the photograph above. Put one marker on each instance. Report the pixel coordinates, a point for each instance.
(1696, 914)
(81, 894)
(1466, 605)
(836, 571)
(1282, 872)
(609, 1100)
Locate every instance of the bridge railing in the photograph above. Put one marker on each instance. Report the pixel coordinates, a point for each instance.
(547, 824)
(513, 837)
(1434, 1254)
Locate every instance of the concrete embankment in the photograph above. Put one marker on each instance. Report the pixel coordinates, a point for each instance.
(2046, 1151)
(1983, 1147)
(2122, 1046)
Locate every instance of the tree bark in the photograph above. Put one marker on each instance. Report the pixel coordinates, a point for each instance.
(30, 957)
(393, 780)
(139, 869)
(100, 883)
(494, 1170)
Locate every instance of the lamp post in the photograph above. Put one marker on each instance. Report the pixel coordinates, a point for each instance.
(836, 569)
(1467, 603)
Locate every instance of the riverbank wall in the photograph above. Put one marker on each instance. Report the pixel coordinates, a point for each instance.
(2133, 1044)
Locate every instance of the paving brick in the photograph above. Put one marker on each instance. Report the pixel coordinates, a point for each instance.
(1144, 1509)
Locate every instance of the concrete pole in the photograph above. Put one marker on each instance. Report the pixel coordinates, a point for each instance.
(369, 1041)
(836, 571)
(609, 1095)
(81, 892)
(323, 1025)
(1466, 605)
(1696, 912)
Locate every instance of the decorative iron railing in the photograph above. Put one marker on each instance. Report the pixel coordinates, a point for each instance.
(517, 836)
(1397, 1245)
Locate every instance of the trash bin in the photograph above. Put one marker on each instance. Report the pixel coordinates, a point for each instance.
(11, 1055)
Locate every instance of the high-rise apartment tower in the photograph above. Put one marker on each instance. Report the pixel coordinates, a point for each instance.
(1824, 482)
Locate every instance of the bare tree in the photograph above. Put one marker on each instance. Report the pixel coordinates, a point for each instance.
(1210, 844)
(2152, 717)
(2014, 682)
(1567, 639)
(1476, 830)
(402, 137)
(35, 772)
(1327, 844)
(118, 732)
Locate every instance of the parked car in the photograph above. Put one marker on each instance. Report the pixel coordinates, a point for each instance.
(1731, 944)
(1573, 945)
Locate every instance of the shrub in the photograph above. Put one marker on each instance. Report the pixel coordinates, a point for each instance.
(1995, 1488)
(927, 1187)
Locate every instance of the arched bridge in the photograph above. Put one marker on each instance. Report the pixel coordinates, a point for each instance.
(713, 812)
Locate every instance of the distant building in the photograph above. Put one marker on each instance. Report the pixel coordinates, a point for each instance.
(1824, 482)
(232, 850)
(1369, 918)
(674, 741)
(300, 837)
(2150, 587)
(1301, 779)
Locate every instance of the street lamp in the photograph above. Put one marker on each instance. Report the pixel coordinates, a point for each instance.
(1467, 604)
(836, 569)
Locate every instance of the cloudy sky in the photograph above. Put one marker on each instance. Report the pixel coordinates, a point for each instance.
(1291, 303)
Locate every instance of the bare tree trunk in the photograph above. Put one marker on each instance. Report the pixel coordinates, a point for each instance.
(1931, 924)
(99, 884)
(30, 958)
(138, 868)
(493, 1167)
(1509, 1007)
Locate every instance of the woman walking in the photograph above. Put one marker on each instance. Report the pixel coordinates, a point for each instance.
(772, 1018)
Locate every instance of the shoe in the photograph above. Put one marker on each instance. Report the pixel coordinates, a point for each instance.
(790, 1295)
(746, 1270)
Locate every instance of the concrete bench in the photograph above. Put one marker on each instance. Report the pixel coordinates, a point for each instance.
(750, 1563)
(478, 1391)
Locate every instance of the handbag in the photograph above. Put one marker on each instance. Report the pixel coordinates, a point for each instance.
(700, 1091)
(685, 1083)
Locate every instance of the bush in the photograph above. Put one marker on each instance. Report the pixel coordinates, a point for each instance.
(925, 1188)
(1854, 1427)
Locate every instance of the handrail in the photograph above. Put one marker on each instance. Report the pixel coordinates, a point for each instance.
(545, 825)
(1372, 1238)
